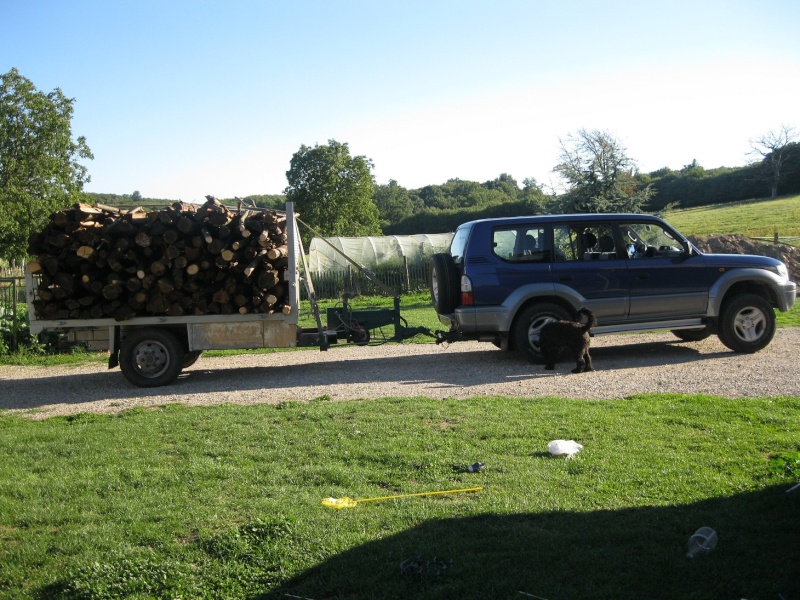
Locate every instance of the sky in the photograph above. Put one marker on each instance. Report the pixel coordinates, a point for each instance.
(179, 99)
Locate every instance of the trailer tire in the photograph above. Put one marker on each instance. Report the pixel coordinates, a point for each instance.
(191, 357)
(151, 357)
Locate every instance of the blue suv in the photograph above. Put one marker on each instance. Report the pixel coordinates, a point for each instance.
(503, 279)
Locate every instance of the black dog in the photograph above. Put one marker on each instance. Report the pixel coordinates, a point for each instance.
(568, 337)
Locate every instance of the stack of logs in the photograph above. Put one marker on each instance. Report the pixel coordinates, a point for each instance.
(101, 261)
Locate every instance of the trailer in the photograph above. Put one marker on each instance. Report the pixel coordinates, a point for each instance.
(152, 351)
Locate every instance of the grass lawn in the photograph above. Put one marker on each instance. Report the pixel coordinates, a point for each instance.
(225, 502)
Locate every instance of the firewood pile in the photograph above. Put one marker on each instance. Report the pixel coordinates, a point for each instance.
(101, 261)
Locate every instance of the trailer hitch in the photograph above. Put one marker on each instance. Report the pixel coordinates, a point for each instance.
(447, 337)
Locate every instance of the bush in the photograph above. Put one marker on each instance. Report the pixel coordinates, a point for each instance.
(15, 334)
(9, 324)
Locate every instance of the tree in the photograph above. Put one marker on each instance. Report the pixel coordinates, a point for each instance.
(39, 168)
(773, 150)
(394, 202)
(533, 197)
(599, 174)
(332, 191)
(506, 184)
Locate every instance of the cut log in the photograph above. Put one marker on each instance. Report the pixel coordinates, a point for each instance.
(143, 239)
(278, 252)
(220, 296)
(158, 268)
(94, 261)
(268, 279)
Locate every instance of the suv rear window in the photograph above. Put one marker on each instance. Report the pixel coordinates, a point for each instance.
(521, 244)
(459, 244)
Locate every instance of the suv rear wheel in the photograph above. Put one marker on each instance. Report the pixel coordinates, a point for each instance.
(444, 284)
(747, 323)
(530, 322)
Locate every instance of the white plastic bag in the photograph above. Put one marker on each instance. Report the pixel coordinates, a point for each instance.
(566, 448)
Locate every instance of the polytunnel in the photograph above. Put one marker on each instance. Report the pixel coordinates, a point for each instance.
(374, 251)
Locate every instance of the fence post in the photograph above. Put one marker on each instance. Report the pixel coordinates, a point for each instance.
(408, 274)
(776, 237)
(14, 313)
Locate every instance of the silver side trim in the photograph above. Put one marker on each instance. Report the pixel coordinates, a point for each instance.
(651, 326)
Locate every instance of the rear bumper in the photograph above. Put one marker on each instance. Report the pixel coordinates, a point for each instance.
(481, 319)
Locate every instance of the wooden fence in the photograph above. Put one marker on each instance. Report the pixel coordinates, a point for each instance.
(777, 239)
(6, 272)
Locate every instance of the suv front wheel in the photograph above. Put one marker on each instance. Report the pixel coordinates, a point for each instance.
(747, 323)
(529, 323)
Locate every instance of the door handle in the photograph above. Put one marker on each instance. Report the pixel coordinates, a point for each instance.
(643, 276)
(565, 278)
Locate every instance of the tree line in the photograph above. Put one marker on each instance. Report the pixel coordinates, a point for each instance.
(41, 172)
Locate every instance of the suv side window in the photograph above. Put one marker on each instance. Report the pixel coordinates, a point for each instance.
(649, 240)
(521, 244)
(585, 242)
(566, 242)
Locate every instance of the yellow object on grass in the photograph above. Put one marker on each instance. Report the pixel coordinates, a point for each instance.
(346, 502)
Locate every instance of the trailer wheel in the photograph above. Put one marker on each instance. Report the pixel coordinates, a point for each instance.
(151, 357)
(191, 357)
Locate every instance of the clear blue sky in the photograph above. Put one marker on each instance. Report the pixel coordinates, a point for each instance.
(179, 99)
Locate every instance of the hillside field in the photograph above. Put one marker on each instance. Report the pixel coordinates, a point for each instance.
(756, 218)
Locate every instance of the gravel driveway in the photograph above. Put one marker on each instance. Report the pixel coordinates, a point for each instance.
(627, 365)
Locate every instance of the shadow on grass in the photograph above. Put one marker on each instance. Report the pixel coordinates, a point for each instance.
(632, 553)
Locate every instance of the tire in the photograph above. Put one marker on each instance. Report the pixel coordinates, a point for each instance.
(191, 357)
(692, 335)
(528, 324)
(747, 323)
(151, 357)
(444, 284)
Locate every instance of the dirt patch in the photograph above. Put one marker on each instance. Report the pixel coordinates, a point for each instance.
(739, 244)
